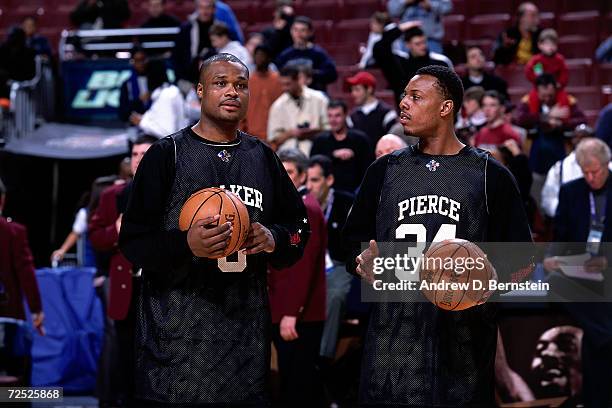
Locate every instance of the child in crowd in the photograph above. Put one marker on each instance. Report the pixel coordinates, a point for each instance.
(548, 61)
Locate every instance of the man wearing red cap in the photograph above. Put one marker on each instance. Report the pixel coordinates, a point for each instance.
(372, 116)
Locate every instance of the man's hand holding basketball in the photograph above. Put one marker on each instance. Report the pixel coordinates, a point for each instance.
(208, 240)
(259, 239)
(365, 262)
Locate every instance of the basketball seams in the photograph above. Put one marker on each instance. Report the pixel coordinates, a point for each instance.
(459, 246)
(231, 198)
(195, 213)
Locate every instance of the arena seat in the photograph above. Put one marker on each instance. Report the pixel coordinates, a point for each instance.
(323, 31)
(263, 12)
(352, 32)
(589, 97)
(477, 7)
(581, 5)
(513, 74)
(244, 11)
(343, 54)
(580, 71)
(487, 26)
(319, 9)
(453, 27)
(517, 92)
(254, 28)
(579, 23)
(605, 74)
(577, 46)
(548, 20)
(360, 8)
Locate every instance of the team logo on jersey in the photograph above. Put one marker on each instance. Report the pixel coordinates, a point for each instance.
(224, 155)
(294, 239)
(432, 165)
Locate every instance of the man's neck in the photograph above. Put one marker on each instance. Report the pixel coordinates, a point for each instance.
(301, 46)
(263, 70)
(475, 73)
(325, 199)
(340, 135)
(444, 144)
(216, 131)
(496, 123)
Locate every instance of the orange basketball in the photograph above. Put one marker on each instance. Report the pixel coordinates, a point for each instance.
(461, 284)
(211, 201)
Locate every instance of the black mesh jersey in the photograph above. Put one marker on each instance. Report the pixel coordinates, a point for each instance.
(203, 325)
(415, 353)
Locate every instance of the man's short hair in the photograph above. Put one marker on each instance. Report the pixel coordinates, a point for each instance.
(413, 32)
(591, 148)
(303, 20)
(447, 82)
(223, 57)
(522, 8)
(381, 18)
(545, 80)
(291, 71)
(145, 139)
(263, 48)
(219, 29)
(295, 156)
(323, 161)
(337, 103)
(496, 95)
(474, 93)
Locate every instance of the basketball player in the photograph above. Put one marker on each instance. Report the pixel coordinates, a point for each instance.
(202, 334)
(415, 353)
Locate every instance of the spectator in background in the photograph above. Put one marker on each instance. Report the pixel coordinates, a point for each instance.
(350, 150)
(548, 60)
(520, 42)
(193, 44)
(471, 117)
(158, 18)
(399, 67)
(278, 35)
(388, 144)
(298, 114)
(497, 129)
(99, 14)
(510, 154)
(371, 116)
(297, 301)
(304, 52)
(166, 114)
(603, 53)
(378, 21)
(134, 96)
(428, 12)
(335, 205)
(264, 88)
(254, 41)
(547, 112)
(478, 76)
(104, 227)
(17, 279)
(563, 171)
(16, 60)
(221, 42)
(37, 42)
(603, 126)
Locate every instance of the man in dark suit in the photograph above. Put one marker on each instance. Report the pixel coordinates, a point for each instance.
(583, 216)
(297, 300)
(103, 230)
(16, 280)
(335, 205)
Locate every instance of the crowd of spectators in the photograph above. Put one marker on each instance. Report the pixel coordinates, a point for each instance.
(327, 147)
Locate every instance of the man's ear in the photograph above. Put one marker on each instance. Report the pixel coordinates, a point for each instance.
(330, 180)
(447, 108)
(200, 90)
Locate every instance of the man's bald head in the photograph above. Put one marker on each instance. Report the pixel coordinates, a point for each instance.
(388, 144)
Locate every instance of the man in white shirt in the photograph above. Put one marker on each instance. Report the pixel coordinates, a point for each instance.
(298, 114)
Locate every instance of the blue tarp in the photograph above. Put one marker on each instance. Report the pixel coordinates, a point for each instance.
(68, 355)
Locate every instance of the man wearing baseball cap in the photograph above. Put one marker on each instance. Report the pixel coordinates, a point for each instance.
(372, 116)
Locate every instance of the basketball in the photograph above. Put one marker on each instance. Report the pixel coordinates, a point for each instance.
(461, 272)
(212, 201)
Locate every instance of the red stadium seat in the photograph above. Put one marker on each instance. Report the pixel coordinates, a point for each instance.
(605, 74)
(551, 6)
(577, 46)
(344, 54)
(254, 28)
(487, 26)
(581, 5)
(580, 71)
(323, 31)
(360, 8)
(460, 7)
(386, 96)
(589, 97)
(453, 27)
(263, 12)
(319, 9)
(579, 23)
(516, 93)
(477, 7)
(244, 11)
(352, 32)
(548, 20)
(514, 75)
